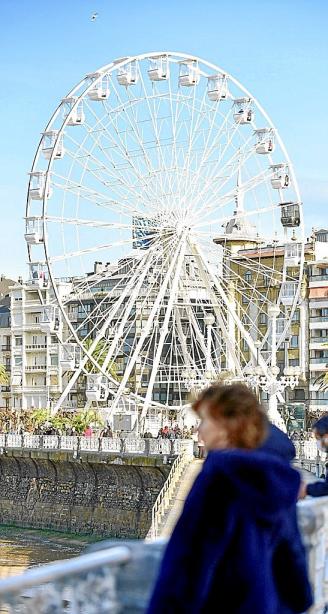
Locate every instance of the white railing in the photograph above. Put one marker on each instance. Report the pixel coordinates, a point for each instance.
(166, 495)
(309, 457)
(84, 584)
(120, 578)
(148, 447)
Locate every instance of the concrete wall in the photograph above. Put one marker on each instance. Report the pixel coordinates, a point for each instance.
(104, 498)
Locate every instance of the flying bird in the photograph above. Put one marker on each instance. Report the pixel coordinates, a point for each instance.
(94, 16)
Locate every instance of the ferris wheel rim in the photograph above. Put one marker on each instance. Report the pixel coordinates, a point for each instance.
(108, 69)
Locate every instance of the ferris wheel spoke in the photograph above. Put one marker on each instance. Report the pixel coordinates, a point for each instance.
(92, 195)
(102, 171)
(120, 336)
(149, 322)
(226, 130)
(134, 127)
(207, 152)
(235, 159)
(123, 287)
(115, 142)
(226, 200)
(159, 151)
(245, 334)
(85, 222)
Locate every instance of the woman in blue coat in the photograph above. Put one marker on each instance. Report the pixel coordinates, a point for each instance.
(236, 548)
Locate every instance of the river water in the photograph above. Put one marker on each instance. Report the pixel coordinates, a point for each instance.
(23, 548)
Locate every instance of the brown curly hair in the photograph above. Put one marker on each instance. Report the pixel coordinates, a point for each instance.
(237, 406)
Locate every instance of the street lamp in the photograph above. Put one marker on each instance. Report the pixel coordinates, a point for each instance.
(208, 321)
(268, 381)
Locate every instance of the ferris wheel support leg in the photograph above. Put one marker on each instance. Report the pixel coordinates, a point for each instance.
(147, 327)
(229, 341)
(88, 356)
(231, 310)
(273, 413)
(163, 334)
(200, 338)
(125, 318)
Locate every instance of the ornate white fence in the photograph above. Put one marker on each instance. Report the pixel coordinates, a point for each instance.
(309, 457)
(95, 444)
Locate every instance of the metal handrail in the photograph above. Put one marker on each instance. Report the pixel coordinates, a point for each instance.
(53, 572)
(165, 496)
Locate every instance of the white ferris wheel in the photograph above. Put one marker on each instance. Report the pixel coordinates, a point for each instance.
(164, 213)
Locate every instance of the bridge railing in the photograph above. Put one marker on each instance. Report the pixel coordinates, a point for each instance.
(119, 578)
(309, 457)
(166, 495)
(148, 447)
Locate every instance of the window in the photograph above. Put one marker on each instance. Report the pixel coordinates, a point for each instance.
(245, 345)
(296, 316)
(299, 394)
(263, 318)
(18, 361)
(320, 333)
(281, 366)
(248, 276)
(324, 312)
(280, 325)
(288, 289)
(293, 250)
(245, 299)
(54, 360)
(294, 362)
(294, 341)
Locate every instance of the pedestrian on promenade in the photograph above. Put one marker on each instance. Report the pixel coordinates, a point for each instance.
(320, 488)
(236, 548)
(201, 446)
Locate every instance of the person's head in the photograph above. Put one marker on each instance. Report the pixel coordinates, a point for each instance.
(320, 429)
(231, 417)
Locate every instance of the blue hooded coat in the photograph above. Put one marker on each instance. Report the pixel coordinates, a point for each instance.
(236, 548)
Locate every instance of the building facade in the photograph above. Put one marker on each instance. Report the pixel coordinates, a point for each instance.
(32, 354)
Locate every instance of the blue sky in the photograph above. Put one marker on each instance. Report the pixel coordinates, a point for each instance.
(277, 49)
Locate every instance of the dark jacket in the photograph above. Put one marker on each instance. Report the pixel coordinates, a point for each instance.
(236, 548)
(277, 442)
(318, 489)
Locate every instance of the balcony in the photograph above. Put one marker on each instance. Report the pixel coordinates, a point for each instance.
(316, 343)
(6, 348)
(318, 325)
(318, 364)
(35, 346)
(315, 278)
(36, 367)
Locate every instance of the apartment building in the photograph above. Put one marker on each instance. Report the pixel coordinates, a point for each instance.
(5, 351)
(36, 373)
(318, 325)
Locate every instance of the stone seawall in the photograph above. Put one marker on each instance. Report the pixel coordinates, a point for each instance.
(110, 497)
